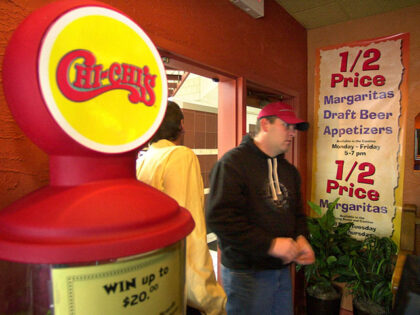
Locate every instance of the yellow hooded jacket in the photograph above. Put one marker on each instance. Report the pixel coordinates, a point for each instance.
(175, 170)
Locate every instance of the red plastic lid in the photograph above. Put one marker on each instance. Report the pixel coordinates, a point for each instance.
(89, 213)
(91, 222)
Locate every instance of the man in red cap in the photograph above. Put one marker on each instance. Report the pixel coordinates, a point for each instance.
(255, 209)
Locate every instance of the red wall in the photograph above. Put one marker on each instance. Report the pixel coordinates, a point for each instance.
(270, 51)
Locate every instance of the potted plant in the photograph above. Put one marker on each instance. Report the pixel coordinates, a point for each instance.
(334, 252)
(372, 273)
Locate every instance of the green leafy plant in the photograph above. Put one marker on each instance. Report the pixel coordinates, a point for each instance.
(372, 271)
(334, 252)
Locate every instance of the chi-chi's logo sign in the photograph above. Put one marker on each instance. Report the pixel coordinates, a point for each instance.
(91, 79)
(102, 79)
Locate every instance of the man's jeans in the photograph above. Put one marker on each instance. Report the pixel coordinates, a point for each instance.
(265, 292)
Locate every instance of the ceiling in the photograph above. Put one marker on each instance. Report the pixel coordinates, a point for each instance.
(317, 13)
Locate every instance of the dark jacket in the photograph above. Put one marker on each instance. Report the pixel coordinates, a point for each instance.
(247, 210)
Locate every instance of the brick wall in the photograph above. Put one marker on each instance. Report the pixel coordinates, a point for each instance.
(201, 136)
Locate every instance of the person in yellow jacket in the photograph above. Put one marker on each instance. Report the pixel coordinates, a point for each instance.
(174, 169)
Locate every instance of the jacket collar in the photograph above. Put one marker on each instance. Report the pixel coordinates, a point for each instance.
(163, 143)
(248, 141)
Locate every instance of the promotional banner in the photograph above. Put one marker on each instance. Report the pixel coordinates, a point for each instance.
(152, 284)
(360, 97)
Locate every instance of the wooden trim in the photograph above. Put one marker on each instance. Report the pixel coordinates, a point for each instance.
(227, 122)
(396, 276)
(409, 220)
(408, 228)
(175, 61)
(241, 109)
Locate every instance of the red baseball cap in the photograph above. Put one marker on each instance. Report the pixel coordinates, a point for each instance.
(285, 112)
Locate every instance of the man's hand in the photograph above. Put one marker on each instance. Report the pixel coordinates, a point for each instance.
(306, 255)
(284, 248)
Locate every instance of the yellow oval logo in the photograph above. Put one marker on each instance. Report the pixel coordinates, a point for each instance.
(102, 79)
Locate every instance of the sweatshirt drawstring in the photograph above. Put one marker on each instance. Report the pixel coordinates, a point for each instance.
(274, 184)
(276, 178)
